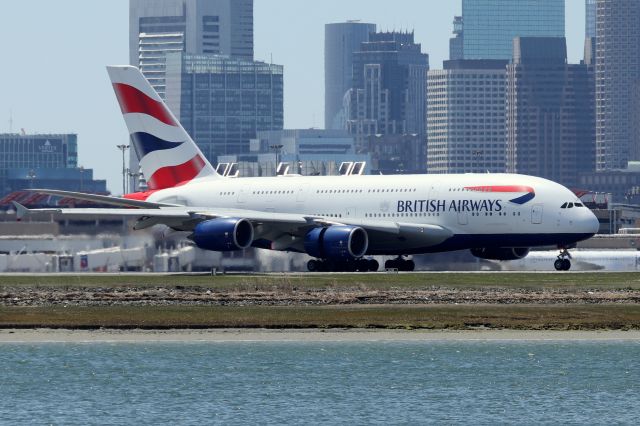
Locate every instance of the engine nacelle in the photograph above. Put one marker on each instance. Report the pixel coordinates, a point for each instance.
(502, 253)
(224, 234)
(337, 242)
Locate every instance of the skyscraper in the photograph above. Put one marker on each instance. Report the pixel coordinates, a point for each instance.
(617, 83)
(389, 99)
(466, 117)
(590, 18)
(156, 27)
(389, 86)
(340, 41)
(456, 43)
(491, 25)
(223, 102)
(550, 112)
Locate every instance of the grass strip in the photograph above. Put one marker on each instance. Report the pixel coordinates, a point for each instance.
(380, 281)
(456, 317)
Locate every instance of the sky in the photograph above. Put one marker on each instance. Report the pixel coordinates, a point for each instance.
(53, 77)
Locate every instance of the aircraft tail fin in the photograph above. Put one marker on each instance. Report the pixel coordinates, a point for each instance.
(167, 154)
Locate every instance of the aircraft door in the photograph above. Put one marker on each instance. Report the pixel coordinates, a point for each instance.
(242, 195)
(536, 214)
(350, 212)
(463, 218)
(301, 194)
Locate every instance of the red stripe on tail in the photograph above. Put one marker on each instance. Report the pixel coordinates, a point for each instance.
(168, 177)
(133, 100)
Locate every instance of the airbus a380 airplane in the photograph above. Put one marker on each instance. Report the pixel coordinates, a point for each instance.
(338, 220)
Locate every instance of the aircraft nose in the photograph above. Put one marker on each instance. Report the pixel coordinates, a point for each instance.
(591, 223)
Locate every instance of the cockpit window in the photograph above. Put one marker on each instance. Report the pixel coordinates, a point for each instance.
(579, 205)
(570, 206)
(564, 206)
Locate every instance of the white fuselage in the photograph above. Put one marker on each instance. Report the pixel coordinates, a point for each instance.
(476, 217)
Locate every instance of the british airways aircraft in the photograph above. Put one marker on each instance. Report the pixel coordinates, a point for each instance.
(341, 221)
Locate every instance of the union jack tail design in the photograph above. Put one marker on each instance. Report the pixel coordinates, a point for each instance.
(167, 154)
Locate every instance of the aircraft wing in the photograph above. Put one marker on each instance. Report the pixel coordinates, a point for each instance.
(284, 231)
(102, 199)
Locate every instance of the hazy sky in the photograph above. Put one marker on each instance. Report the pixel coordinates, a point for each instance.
(52, 74)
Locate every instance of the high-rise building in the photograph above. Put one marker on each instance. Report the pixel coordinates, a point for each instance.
(617, 83)
(491, 25)
(340, 41)
(389, 87)
(389, 99)
(550, 112)
(223, 27)
(466, 117)
(223, 102)
(590, 19)
(456, 43)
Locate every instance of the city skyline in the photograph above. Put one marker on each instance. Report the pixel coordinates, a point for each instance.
(58, 83)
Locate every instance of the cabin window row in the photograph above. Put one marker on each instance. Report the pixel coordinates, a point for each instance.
(369, 215)
(359, 191)
(271, 192)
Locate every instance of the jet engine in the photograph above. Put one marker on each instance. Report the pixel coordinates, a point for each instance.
(502, 253)
(337, 242)
(224, 234)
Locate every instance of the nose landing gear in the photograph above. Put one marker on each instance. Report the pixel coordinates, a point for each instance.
(563, 262)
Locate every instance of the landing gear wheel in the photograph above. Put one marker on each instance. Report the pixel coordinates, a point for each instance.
(558, 264)
(313, 265)
(408, 266)
(373, 265)
(563, 262)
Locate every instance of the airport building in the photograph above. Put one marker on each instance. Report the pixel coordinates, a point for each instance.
(466, 117)
(489, 26)
(550, 112)
(389, 94)
(340, 41)
(308, 152)
(223, 102)
(617, 83)
(43, 161)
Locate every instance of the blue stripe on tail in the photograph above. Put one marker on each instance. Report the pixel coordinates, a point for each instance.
(144, 143)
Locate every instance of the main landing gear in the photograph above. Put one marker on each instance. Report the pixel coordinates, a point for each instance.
(356, 265)
(563, 262)
(401, 264)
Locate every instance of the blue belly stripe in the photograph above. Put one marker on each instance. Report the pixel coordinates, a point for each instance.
(469, 241)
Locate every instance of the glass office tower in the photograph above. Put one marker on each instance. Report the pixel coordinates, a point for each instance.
(617, 83)
(590, 18)
(491, 25)
(223, 102)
